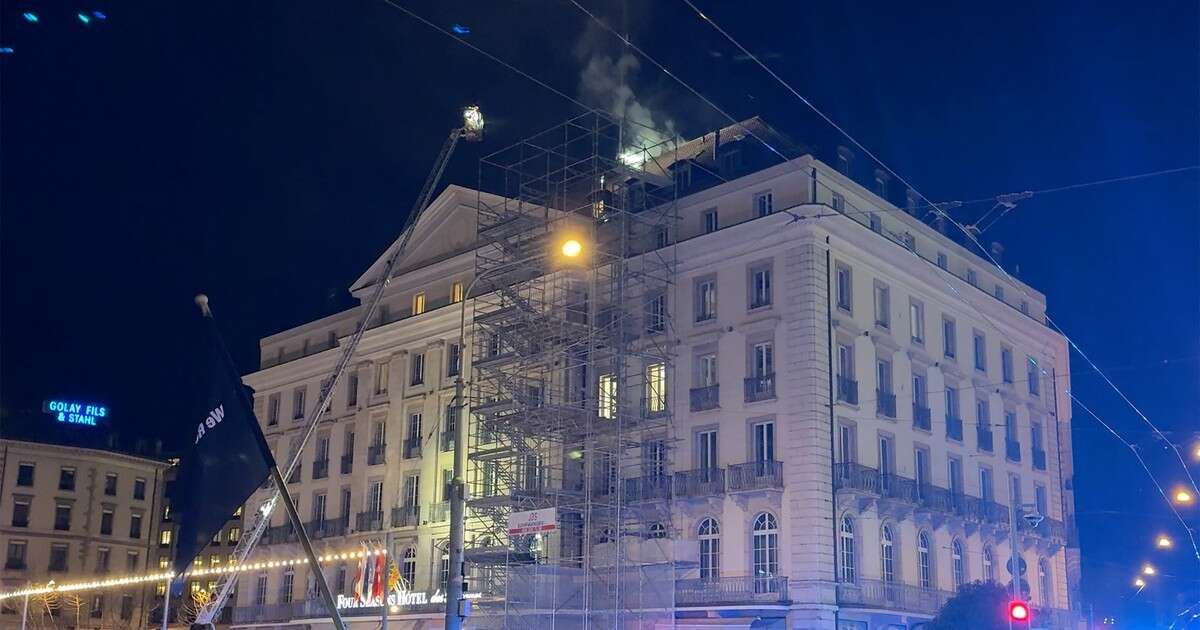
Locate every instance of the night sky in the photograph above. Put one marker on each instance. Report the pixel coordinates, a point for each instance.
(266, 153)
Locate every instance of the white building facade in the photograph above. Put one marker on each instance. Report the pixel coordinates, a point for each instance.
(857, 400)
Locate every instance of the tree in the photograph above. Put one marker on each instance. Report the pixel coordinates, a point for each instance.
(976, 606)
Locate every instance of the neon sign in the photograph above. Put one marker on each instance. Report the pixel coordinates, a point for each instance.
(69, 412)
(399, 598)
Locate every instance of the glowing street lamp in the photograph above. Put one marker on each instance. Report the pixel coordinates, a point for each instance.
(571, 248)
(1149, 570)
(1139, 582)
(1163, 542)
(1183, 497)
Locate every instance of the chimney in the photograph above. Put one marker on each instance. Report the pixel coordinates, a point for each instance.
(998, 251)
(911, 200)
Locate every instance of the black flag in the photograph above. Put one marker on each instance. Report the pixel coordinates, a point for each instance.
(228, 457)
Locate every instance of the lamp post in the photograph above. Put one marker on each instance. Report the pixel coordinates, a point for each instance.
(568, 248)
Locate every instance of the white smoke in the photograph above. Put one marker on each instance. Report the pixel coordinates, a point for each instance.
(605, 83)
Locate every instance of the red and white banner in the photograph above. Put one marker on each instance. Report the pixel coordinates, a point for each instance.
(532, 522)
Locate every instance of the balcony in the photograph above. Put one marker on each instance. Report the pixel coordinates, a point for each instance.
(867, 480)
(347, 464)
(705, 482)
(406, 516)
(412, 448)
(369, 521)
(1012, 450)
(297, 473)
(984, 439)
(733, 590)
(751, 476)
(375, 454)
(1050, 529)
(704, 398)
(648, 488)
(760, 387)
(446, 441)
(892, 595)
(921, 418)
(1039, 459)
(885, 403)
(325, 528)
(847, 390)
(280, 534)
(320, 469)
(439, 512)
(954, 428)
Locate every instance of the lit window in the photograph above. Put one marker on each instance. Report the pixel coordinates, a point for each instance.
(607, 396)
(418, 304)
(656, 387)
(765, 545)
(164, 538)
(456, 293)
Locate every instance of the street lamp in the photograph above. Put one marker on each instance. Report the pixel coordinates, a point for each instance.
(1183, 497)
(1139, 582)
(1163, 542)
(1149, 570)
(570, 248)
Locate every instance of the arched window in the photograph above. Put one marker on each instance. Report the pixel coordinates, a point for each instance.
(709, 534)
(960, 568)
(924, 560)
(445, 569)
(657, 530)
(887, 554)
(408, 568)
(766, 545)
(989, 568)
(846, 539)
(1044, 590)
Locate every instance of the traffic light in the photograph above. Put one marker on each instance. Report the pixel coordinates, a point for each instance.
(1018, 611)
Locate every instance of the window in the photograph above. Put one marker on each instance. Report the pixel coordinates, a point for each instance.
(847, 444)
(662, 237)
(339, 579)
(58, 556)
(352, 389)
(980, 346)
(887, 554)
(260, 590)
(235, 534)
(760, 287)
(763, 204)
(1045, 594)
(845, 362)
(25, 474)
(110, 484)
(164, 562)
(16, 554)
(959, 565)
(418, 369)
(20, 515)
(989, 568)
(62, 517)
(844, 156)
(408, 568)
(1039, 499)
(1006, 365)
(876, 223)
(135, 525)
(881, 183)
(1010, 426)
(838, 201)
(916, 322)
(287, 587)
(999, 292)
(844, 287)
(164, 538)
(765, 543)
(711, 223)
(709, 534)
(1032, 375)
(952, 403)
(382, 374)
(375, 497)
(106, 522)
(1024, 307)
(883, 372)
(453, 359)
(986, 492)
(273, 410)
(445, 572)
(887, 455)
(66, 478)
(921, 468)
(846, 549)
(764, 360)
(418, 303)
(131, 561)
(656, 387)
(706, 450)
(764, 444)
(924, 560)
(955, 474)
(656, 313)
(1014, 490)
(139, 489)
(942, 261)
(949, 343)
(972, 278)
(910, 242)
(883, 307)
(706, 370)
(706, 299)
(126, 607)
(607, 397)
(318, 509)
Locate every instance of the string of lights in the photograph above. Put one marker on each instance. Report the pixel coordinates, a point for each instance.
(53, 587)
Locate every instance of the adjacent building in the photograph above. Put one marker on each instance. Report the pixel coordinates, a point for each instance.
(857, 400)
(75, 514)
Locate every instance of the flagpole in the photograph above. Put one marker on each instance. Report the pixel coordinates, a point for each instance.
(322, 585)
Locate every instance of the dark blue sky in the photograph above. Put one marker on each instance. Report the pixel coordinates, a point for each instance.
(266, 152)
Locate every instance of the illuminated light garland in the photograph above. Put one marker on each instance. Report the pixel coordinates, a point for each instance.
(52, 587)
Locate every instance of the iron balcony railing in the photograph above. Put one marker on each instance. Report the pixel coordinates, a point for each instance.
(320, 468)
(406, 516)
(1012, 449)
(347, 464)
(439, 512)
(885, 403)
(892, 595)
(1049, 528)
(761, 475)
(326, 528)
(375, 454)
(648, 488)
(279, 535)
(654, 408)
(1039, 459)
(369, 521)
(760, 387)
(984, 439)
(954, 428)
(847, 390)
(703, 398)
(733, 590)
(705, 482)
(922, 418)
(859, 478)
(412, 448)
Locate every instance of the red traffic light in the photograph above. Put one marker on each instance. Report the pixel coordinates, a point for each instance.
(1018, 611)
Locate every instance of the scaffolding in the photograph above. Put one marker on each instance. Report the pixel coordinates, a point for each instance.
(570, 403)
